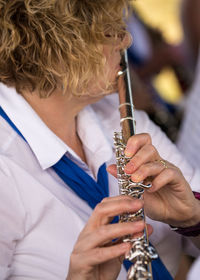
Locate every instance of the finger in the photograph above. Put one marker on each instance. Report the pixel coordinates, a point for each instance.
(150, 169)
(101, 255)
(168, 176)
(119, 249)
(105, 234)
(147, 153)
(109, 199)
(111, 207)
(136, 142)
(149, 230)
(112, 169)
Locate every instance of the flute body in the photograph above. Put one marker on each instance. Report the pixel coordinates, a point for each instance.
(141, 253)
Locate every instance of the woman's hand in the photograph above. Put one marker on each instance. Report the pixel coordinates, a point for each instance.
(170, 198)
(95, 256)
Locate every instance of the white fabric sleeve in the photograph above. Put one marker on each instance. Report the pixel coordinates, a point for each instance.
(194, 271)
(12, 217)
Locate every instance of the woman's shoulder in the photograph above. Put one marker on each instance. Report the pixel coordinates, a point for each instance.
(107, 111)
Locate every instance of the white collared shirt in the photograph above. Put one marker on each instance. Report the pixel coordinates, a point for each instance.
(194, 270)
(40, 216)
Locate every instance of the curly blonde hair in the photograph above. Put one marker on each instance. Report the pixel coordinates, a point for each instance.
(46, 44)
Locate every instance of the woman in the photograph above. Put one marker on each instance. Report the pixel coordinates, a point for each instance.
(57, 58)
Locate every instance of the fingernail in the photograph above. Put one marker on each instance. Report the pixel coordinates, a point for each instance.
(125, 245)
(127, 152)
(129, 167)
(136, 177)
(108, 168)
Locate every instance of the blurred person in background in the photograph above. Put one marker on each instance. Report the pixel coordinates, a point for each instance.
(190, 21)
(188, 139)
(149, 55)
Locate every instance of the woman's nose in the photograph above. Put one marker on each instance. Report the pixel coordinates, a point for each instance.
(127, 41)
(124, 42)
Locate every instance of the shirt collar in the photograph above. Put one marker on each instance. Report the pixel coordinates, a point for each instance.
(96, 145)
(47, 147)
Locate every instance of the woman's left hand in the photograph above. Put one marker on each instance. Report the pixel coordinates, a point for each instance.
(170, 199)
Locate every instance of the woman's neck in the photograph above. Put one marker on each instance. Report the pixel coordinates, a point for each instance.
(59, 113)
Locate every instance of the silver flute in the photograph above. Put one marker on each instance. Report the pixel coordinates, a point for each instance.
(141, 253)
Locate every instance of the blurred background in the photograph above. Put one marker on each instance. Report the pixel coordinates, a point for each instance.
(164, 16)
(161, 59)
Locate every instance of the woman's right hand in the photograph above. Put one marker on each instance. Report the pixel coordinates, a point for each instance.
(95, 256)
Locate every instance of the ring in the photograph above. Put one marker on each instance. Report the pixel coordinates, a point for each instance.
(163, 163)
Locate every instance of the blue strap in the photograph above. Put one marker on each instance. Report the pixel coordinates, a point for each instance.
(159, 270)
(5, 116)
(81, 183)
(92, 192)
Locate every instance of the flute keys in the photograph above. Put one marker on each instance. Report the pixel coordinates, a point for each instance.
(141, 253)
(152, 252)
(137, 271)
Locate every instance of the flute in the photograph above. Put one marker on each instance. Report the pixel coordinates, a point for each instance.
(140, 253)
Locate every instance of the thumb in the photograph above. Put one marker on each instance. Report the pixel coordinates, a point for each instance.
(112, 169)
